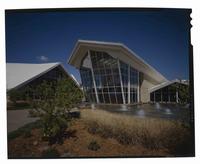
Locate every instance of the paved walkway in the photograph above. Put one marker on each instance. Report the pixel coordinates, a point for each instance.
(17, 119)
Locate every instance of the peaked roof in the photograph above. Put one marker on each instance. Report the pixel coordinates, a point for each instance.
(82, 46)
(20, 73)
(162, 85)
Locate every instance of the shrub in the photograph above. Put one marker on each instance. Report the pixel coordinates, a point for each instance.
(52, 102)
(93, 145)
(15, 95)
(149, 132)
(50, 153)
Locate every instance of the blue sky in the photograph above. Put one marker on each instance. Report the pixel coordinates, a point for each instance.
(160, 37)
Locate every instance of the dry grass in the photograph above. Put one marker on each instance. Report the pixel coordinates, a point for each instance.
(148, 132)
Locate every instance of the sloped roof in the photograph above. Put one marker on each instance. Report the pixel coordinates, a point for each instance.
(19, 73)
(162, 85)
(82, 46)
(75, 80)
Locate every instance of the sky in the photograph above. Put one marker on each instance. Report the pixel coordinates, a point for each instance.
(160, 37)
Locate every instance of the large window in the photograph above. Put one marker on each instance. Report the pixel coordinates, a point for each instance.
(107, 71)
(106, 75)
(166, 94)
(88, 87)
(133, 85)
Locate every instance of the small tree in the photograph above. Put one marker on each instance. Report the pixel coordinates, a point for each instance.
(52, 102)
(184, 95)
(15, 95)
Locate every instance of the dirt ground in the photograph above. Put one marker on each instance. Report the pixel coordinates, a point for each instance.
(76, 145)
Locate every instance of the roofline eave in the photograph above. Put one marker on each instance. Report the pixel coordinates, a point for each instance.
(131, 54)
(33, 78)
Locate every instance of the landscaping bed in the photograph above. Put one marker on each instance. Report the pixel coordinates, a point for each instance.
(19, 105)
(94, 135)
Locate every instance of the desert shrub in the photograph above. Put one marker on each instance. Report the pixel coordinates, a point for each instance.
(15, 95)
(149, 132)
(93, 145)
(33, 113)
(52, 103)
(50, 153)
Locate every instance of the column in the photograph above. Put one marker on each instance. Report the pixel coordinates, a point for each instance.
(120, 76)
(93, 79)
(176, 96)
(129, 87)
(138, 87)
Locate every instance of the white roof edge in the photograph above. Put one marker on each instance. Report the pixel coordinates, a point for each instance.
(35, 76)
(91, 42)
(73, 78)
(113, 44)
(34, 63)
(139, 58)
(164, 84)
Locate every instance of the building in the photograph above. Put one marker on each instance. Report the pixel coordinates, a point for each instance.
(111, 73)
(170, 91)
(20, 75)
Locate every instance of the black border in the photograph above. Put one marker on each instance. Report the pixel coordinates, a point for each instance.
(122, 9)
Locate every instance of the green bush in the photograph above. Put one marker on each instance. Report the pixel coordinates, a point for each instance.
(93, 145)
(52, 102)
(50, 153)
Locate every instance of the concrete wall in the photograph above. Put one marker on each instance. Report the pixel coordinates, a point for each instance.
(145, 84)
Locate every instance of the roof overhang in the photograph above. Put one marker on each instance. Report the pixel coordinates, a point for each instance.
(162, 85)
(82, 46)
(20, 74)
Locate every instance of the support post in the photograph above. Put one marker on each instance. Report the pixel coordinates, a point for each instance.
(93, 79)
(120, 76)
(129, 87)
(138, 87)
(176, 96)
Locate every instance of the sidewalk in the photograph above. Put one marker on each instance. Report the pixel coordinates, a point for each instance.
(17, 119)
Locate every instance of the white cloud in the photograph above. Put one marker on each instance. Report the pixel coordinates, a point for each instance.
(43, 58)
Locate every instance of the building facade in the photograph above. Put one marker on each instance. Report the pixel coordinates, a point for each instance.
(175, 91)
(113, 74)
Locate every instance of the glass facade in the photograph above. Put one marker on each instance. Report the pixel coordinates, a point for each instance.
(111, 77)
(55, 74)
(165, 94)
(134, 80)
(51, 76)
(88, 87)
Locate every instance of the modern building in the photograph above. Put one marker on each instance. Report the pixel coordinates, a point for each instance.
(111, 73)
(20, 75)
(170, 91)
